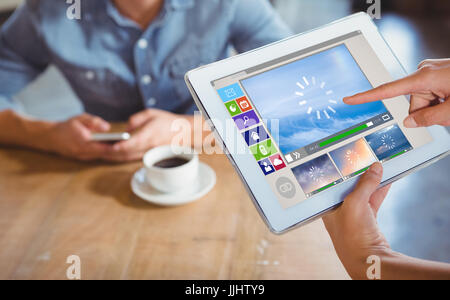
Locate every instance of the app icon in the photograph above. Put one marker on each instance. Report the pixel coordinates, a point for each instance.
(266, 166)
(246, 120)
(277, 162)
(386, 117)
(233, 108)
(289, 158)
(230, 92)
(244, 104)
(263, 149)
(255, 135)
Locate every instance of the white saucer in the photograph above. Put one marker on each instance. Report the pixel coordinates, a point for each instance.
(206, 181)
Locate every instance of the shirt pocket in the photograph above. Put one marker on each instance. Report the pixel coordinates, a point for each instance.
(99, 85)
(194, 53)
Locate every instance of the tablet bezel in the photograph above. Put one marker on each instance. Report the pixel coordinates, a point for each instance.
(280, 220)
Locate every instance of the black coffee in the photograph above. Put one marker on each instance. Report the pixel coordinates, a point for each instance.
(172, 162)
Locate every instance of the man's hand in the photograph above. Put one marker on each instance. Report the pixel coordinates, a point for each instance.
(150, 128)
(72, 138)
(430, 94)
(353, 226)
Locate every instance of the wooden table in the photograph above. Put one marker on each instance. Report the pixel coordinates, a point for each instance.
(51, 208)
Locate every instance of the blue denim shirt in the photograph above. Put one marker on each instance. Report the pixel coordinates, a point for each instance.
(115, 67)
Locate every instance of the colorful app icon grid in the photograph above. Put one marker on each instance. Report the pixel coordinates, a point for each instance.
(257, 138)
(353, 157)
(388, 142)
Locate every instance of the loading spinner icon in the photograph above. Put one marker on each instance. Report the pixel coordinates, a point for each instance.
(316, 174)
(388, 141)
(317, 109)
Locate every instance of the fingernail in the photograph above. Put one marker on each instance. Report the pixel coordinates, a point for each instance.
(410, 122)
(105, 127)
(377, 169)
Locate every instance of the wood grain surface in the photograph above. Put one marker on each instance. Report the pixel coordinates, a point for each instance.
(51, 208)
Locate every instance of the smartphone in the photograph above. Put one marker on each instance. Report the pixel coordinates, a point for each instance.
(111, 137)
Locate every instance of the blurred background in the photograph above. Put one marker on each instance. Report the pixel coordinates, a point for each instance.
(416, 215)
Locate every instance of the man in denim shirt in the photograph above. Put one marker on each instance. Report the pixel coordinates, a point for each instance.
(125, 60)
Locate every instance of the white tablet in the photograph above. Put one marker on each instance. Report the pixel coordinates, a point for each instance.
(298, 148)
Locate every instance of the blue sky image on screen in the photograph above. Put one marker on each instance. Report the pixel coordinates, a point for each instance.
(306, 97)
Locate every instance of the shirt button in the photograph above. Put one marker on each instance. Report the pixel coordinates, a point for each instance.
(151, 102)
(90, 75)
(146, 79)
(142, 44)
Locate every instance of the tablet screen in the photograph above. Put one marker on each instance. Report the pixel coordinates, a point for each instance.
(303, 136)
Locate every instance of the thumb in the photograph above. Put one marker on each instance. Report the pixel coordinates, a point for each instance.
(368, 184)
(434, 115)
(94, 123)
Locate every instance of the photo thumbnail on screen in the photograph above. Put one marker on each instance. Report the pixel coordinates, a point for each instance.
(388, 143)
(306, 97)
(352, 159)
(317, 175)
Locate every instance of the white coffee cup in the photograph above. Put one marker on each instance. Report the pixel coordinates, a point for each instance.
(179, 179)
